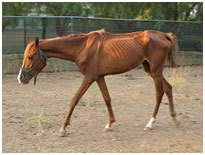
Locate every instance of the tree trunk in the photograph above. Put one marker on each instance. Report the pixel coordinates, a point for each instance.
(5, 24)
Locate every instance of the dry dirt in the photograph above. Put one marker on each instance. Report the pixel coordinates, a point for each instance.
(32, 115)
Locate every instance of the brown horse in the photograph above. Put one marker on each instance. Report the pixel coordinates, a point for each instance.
(100, 53)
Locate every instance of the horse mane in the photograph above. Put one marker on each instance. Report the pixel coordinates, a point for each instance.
(101, 33)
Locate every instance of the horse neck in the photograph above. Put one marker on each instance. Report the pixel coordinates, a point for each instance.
(65, 48)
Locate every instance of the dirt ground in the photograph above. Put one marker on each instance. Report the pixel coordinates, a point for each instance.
(32, 115)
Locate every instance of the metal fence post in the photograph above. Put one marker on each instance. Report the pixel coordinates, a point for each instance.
(159, 25)
(71, 25)
(44, 25)
(24, 31)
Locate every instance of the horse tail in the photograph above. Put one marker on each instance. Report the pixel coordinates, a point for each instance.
(171, 38)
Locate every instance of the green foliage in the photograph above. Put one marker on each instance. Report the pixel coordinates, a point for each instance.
(149, 10)
(63, 9)
(132, 10)
(16, 8)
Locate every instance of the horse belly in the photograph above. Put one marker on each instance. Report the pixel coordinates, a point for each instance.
(116, 64)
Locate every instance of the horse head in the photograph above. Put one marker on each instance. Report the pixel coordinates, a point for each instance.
(34, 60)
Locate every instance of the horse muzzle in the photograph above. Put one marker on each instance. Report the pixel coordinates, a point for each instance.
(23, 79)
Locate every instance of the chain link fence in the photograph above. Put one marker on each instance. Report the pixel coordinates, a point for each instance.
(15, 29)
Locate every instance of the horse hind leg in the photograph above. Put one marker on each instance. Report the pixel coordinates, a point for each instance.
(159, 94)
(162, 86)
(168, 91)
(157, 77)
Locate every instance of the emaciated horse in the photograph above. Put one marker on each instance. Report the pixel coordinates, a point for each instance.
(100, 53)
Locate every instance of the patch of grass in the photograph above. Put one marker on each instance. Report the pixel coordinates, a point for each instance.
(89, 98)
(4, 73)
(177, 78)
(92, 96)
(41, 120)
(176, 82)
(71, 96)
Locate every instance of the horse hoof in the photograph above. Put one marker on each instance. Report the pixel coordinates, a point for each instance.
(148, 128)
(177, 123)
(63, 134)
(107, 129)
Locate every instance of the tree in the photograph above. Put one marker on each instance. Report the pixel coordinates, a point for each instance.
(49, 8)
(14, 9)
(62, 9)
(149, 10)
(192, 11)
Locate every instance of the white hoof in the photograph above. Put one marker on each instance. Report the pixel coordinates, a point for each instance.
(148, 128)
(107, 128)
(149, 124)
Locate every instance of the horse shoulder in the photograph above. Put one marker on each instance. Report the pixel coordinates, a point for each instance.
(87, 59)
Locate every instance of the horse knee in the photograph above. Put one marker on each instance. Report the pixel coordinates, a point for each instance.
(168, 91)
(74, 102)
(107, 101)
(159, 94)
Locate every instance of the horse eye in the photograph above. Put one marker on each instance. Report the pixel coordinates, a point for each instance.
(30, 57)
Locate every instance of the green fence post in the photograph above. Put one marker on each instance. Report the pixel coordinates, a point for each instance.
(159, 26)
(24, 31)
(44, 25)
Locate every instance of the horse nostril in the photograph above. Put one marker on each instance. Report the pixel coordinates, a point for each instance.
(21, 77)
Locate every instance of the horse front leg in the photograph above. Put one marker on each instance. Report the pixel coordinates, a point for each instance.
(103, 88)
(81, 91)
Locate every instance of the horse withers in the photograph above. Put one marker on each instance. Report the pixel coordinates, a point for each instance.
(100, 53)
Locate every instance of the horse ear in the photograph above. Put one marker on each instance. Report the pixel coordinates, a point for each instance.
(36, 41)
(28, 40)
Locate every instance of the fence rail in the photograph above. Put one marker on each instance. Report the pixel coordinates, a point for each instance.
(15, 29)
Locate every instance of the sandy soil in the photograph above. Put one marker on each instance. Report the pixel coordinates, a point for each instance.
(32, 115)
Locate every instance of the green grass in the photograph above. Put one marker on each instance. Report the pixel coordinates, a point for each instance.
(90, 97)
(41, 121)
(71, 96)
(93, 94)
